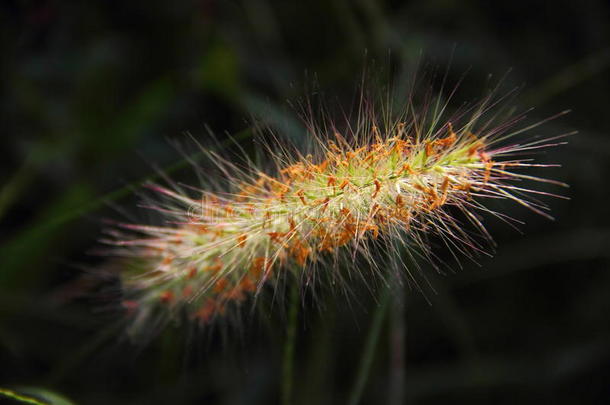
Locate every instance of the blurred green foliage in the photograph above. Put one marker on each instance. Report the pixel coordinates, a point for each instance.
(93, 91)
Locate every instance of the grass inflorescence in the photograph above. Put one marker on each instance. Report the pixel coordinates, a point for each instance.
(380, 180)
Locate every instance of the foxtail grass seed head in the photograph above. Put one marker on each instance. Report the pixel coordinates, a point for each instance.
(381, 180)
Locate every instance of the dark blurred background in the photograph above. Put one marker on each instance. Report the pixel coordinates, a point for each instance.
(92, 92)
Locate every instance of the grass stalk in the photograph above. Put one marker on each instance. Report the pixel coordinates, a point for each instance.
(369, 349)
(289, 346)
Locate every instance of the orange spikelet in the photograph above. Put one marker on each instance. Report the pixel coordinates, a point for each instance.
(301, 195)
(377, 188)
(166, 297)
(241, 240)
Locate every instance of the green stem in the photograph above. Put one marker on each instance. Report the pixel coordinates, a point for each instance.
(397, 338)
(369, 349)
(289, 345)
